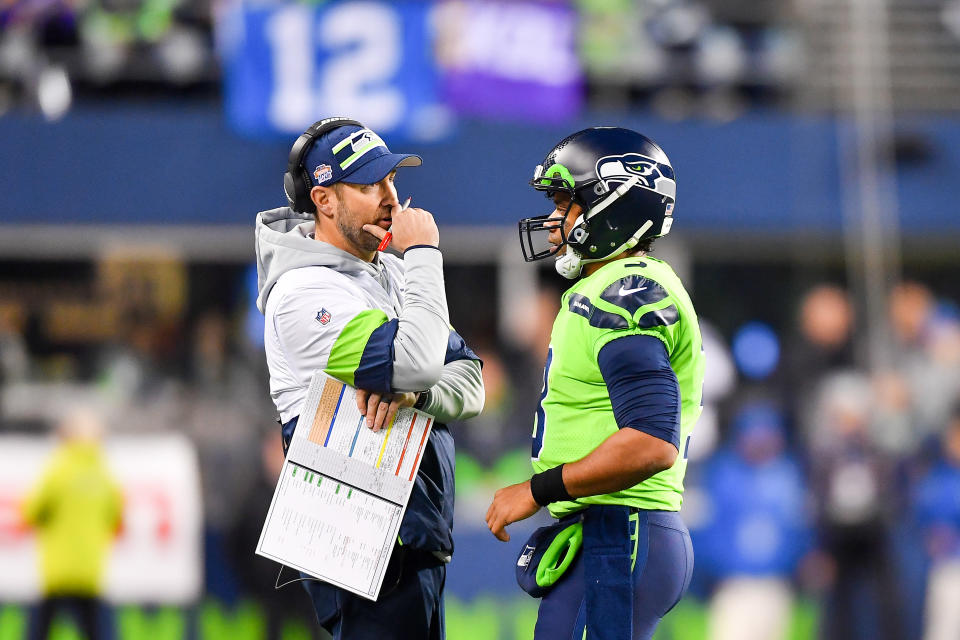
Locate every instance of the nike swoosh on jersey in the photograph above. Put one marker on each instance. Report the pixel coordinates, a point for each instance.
(626, 292)
(632, 292)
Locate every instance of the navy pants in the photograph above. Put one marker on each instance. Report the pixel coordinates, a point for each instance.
(410, 606)
(648, 559)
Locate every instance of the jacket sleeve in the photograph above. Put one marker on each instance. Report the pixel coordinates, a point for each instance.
(459, 393)
(420, 343)
(322, 326)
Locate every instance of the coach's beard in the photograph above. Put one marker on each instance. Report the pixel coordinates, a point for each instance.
(353, 231)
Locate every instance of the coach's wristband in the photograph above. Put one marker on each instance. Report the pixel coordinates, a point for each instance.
(422, 400)
(548, 487)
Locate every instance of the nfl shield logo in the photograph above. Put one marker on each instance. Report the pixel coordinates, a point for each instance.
(323, 316)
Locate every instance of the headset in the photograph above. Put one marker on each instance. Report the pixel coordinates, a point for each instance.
(296, 181)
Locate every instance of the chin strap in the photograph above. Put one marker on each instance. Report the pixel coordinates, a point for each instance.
(569, 264)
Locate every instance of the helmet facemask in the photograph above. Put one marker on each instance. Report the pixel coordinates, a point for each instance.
(535, 245)
(534, 249)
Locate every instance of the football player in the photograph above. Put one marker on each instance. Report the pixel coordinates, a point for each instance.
(621, 393)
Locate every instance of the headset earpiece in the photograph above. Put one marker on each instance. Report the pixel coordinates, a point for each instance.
(296, 181)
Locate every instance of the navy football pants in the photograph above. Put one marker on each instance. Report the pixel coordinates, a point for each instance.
(660, 576)
(410, 606)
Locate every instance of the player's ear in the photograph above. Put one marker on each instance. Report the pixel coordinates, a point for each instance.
(325, 199)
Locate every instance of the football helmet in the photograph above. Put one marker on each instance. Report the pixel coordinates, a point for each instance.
(626, 189)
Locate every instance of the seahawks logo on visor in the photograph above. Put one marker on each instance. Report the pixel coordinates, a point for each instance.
(354, 146)
(615, 170)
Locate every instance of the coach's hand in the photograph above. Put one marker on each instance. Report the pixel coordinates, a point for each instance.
(410, 227)
(379, 409)
(509, 505)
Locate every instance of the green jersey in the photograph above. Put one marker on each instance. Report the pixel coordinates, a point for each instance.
(630, 296)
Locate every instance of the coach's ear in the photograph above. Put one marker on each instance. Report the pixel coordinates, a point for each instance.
(325, 199)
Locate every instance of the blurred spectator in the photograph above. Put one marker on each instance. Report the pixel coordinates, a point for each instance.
(937, 509)
(223, 410)
(757, 530)
(892, 422)
(134, 367)
(911, 305)
(14, 358)
(935, 380)
(498, 429)
(854, 488)
(288, 611)
(915, 400)
(826, 321)
(76, 509)
(825, 324)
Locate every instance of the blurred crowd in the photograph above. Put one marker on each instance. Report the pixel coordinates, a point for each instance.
(680, 56)
(836, 483)
(823, 493)
(814, 482)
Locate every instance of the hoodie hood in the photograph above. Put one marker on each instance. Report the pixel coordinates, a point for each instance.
(284, 241)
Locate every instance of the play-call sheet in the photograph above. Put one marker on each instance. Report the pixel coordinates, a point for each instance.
(336, 511)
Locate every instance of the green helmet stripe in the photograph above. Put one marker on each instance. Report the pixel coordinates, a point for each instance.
(558, 171)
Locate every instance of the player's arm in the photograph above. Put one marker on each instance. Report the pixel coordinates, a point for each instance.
(361, 345)
(645, 396)
(626, 458)
(322, 328)
(423, 325)
(405, 356)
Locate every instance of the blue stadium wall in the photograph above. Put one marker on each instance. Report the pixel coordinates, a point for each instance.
(760, 173)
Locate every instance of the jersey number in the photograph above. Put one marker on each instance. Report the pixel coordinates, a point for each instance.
(540, 423)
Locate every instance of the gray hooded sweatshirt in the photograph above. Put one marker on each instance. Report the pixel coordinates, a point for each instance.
(309, 291)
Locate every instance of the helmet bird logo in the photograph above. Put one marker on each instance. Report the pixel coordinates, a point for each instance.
(615, 170)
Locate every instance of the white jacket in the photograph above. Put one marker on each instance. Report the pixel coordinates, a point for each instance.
(310, 290)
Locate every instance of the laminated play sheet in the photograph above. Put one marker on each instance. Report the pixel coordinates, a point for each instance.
(336, 511)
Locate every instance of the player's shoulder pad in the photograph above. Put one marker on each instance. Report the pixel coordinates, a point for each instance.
(634, 290)
(626, 297)
(600, 318)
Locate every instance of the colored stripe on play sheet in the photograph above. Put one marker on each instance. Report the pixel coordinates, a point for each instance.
(326, 412)
(423, 439)
(383, 447)
(405, 443)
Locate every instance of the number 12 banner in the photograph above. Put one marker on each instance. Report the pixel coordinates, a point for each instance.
(288, 65)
